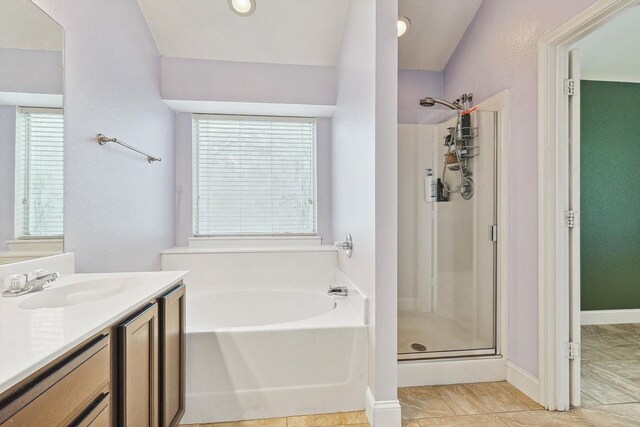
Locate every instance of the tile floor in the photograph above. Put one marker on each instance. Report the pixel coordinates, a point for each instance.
(610, 364)
(351, 419)
(610, 395)
(500, 404)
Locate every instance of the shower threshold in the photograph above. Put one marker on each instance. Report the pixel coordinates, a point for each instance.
(453, 354)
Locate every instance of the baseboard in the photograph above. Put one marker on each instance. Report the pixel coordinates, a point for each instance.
(523, 381)
(609, 317)
(382, 413)
(451, 371)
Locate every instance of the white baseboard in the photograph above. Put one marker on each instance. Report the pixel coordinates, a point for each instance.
(450, 371)
(610, 317)
(382, 413)
(523, 381)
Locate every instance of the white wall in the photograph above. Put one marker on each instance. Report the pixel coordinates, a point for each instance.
(611, 53)
(364, 152)
(415, 234)
(499, 51)
(119, 209)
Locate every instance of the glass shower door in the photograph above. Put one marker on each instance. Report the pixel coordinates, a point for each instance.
(454, 310)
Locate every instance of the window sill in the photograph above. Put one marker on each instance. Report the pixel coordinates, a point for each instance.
(220, 242)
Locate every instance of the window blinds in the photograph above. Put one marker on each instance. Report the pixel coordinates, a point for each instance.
(39, 172)
(253, 175)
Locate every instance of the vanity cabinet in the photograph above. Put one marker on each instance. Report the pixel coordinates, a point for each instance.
(67, 394)
(131, 374)
(172, 357)
(138, 367)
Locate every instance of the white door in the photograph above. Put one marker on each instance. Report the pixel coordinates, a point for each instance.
(574, 224)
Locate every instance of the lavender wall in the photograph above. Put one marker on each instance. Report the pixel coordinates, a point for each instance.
(30, 71)
(7, 172)
(119, 209)
(416, 84)
(184, 181)
(386, 205)
(207, 80)
(364, 150)
(499, 51)
(353, 156)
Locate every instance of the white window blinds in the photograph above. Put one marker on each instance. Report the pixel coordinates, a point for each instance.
(39, 172)
(253, 175)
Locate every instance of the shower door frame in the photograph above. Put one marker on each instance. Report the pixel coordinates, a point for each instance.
(500, 104)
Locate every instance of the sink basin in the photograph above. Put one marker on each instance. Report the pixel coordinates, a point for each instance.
(75, 293)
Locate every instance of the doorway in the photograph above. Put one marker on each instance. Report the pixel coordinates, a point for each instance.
(609, 211)
(587, 330)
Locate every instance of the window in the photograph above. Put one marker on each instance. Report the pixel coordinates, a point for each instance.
(253, 175)
(39, 172)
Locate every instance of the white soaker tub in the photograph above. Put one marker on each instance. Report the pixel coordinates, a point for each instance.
(263, 353)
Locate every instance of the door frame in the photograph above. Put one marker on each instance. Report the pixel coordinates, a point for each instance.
(553, 198)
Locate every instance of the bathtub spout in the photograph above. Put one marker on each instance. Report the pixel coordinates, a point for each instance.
(341, 291)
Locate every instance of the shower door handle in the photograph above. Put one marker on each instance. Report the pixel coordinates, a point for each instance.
(493, 232)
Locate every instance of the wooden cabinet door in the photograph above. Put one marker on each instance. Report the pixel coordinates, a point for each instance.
(138, 369)
(172, 356)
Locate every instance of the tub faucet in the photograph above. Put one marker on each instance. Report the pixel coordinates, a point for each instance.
(341, 291)
(346, 246)
(36, 284)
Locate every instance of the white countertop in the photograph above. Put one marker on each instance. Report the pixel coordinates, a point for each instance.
(30, 338)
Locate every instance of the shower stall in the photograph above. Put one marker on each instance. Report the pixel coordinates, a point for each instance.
(447, 235)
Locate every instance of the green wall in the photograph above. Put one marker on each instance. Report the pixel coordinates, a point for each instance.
(610, 195)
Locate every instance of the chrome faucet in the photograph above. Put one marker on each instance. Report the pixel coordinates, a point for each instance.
(346, 246)
(341, 291)
(36, 284)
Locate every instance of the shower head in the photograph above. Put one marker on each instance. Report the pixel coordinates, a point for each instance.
(430, 102)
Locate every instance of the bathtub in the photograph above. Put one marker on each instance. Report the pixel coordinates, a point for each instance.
(263, 353)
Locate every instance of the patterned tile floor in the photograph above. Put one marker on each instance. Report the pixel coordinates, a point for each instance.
(610, 364)
(610, 395)
(351, 419)
(500, 404)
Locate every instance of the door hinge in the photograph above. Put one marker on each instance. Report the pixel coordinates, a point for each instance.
(572, 350)
(572, 219)
(494, 233)
(569, 87)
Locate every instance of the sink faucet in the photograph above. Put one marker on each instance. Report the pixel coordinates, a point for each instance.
(38, 283)
(341, 291)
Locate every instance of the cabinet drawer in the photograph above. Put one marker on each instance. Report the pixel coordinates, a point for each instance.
(96, 414)
(57, 396)
(102, 420)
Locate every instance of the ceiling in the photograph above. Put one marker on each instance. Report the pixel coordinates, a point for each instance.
(23, 25)
(612, 53)
(437, 26)
(305, 32)
(279, 31)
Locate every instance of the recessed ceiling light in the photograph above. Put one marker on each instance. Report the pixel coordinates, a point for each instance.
(403, 25)
(242, 7)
